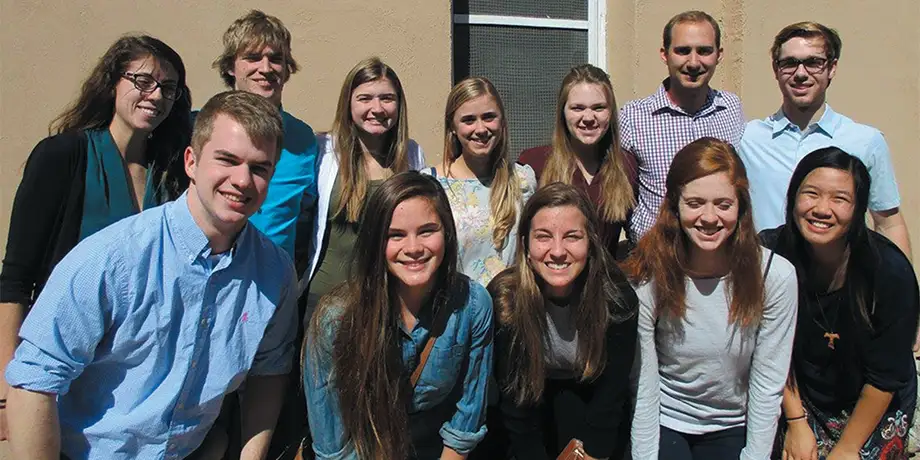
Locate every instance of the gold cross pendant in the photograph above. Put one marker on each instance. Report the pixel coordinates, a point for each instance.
(831, 336)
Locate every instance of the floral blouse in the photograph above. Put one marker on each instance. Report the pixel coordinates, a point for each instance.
(469, 202)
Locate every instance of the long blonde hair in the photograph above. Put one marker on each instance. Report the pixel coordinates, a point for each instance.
(352, 176)
(505, 190)
(617, 196)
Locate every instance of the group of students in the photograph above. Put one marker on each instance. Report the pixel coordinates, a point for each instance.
(473, 309)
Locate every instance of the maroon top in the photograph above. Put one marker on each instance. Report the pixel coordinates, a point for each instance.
(610, 231)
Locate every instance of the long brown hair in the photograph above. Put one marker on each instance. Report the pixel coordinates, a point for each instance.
(352, 176)
(94, 108)
(370, 376)
(661, 254)
(505, 194)
(520, 302)
(617, 198)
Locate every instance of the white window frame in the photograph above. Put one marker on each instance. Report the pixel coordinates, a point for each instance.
(595, 25)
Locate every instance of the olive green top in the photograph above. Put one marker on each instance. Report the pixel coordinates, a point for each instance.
(338, 245)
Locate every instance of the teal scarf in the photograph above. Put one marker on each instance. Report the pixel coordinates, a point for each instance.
(107, 197)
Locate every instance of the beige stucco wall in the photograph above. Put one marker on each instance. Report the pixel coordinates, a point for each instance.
(47, 47)
(877, 82)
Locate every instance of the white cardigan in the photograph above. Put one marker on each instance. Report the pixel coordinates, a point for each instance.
(325, 180)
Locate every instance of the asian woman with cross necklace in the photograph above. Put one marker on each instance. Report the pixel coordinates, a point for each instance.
(852, 388)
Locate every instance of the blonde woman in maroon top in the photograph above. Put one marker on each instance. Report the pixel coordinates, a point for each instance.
(585, 150)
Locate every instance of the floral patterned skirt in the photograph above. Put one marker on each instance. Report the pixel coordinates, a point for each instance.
(887, 442)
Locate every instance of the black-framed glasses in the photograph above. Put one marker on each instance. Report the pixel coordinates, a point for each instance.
(144, 82)
(812, 64)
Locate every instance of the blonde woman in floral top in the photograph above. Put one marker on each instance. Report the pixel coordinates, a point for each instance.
(486, 189)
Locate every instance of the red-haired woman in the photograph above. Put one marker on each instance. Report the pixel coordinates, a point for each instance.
(716, 317)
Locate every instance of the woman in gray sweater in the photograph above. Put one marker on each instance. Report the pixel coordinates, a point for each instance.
(716, 318)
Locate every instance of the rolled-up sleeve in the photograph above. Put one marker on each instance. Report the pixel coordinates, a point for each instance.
(275, 355)
(62, 331)
(883, 188)
(467, 427)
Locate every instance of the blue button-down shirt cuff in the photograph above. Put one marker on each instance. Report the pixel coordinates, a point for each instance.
(268, 367)
(461, 441)
(345, 453)
(28, 374)
(884, 205)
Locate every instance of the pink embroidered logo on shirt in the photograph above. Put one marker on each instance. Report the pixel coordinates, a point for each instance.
(245, 317)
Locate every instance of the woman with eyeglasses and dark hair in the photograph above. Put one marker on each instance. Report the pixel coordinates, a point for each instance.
(565, 337)
(115, 151)
(852, 387)
(397, 358)
(716, 317)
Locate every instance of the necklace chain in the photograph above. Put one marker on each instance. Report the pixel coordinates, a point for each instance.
(827, 326)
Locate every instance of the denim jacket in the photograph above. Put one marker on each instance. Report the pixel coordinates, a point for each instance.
(449, 396)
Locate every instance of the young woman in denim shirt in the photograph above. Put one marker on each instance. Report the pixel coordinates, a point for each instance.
(367, 335)
(565, 338)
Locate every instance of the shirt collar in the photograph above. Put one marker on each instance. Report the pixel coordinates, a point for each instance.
(660, 100)
(827, 123)
(188, 235)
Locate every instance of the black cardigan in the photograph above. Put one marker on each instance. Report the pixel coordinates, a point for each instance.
(608, 409)
(832, 379)
(46, 217)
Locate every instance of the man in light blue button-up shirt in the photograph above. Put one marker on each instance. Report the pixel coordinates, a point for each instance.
(804, 63)
(144, 327)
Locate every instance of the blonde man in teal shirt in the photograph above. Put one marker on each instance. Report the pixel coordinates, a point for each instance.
(805, 58)
(257, 58)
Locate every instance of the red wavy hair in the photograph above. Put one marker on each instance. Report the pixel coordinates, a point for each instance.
(661, 255)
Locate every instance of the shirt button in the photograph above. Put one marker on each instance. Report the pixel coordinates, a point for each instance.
(204, 322)
(194, 363)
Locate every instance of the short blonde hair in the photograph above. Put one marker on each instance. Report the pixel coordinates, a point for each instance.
(809, 29)
(259, 118)
(254, 30)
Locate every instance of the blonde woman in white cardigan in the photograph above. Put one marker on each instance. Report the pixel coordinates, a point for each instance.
(368, 143)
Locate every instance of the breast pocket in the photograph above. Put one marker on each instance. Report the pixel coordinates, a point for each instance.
(440, 376)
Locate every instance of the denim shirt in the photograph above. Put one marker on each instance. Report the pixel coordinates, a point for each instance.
(141, 331)
(450, 394)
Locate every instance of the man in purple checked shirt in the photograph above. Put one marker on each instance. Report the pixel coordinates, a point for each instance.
(684, 109)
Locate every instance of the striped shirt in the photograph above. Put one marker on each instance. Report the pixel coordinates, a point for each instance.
(654, 129)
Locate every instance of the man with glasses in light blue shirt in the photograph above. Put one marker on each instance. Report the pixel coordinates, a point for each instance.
(805, 58)
(145, 326)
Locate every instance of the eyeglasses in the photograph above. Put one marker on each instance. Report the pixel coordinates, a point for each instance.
(145, 83)
(812, 65)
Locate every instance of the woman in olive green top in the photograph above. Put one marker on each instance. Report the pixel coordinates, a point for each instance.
(369, 142)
